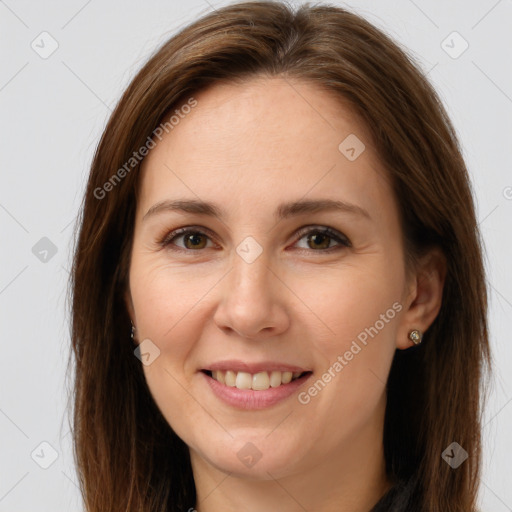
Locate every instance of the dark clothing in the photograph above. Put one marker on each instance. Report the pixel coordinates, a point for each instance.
(397, 499)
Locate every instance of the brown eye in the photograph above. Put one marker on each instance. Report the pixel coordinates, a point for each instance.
(319, 240)
(193, 240)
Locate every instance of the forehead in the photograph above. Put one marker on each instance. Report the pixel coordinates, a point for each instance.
(262, 140)
(276, 111)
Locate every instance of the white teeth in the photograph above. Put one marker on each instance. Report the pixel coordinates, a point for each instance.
(258, 381)
(243, 380)
(286, 377)
(220, 376)
(275, 379)
(229, 379)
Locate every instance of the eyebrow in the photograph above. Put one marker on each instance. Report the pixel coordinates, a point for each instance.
(283, 211)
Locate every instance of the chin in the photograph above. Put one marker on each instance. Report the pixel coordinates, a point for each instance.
(253, 457)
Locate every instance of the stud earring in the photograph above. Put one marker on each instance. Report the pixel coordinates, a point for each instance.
(416, 336)
(132, 335)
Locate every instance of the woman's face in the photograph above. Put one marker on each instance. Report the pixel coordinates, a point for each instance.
(259, 291)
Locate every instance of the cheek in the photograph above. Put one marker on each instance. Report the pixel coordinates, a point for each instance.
(169, 302)
(166, 300)
(348, 301)
(359, 310)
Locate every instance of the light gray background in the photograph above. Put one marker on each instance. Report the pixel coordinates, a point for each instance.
(53, 111)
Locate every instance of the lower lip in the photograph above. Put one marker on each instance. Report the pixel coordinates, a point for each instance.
(250, 399)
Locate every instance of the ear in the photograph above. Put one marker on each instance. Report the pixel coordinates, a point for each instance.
(424, 296)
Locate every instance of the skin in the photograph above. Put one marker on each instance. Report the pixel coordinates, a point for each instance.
(248, 148)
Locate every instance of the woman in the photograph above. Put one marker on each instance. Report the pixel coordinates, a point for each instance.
(279, 300)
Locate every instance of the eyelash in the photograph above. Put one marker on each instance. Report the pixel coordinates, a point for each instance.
(166, 242)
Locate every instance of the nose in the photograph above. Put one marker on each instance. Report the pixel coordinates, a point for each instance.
(253, 300)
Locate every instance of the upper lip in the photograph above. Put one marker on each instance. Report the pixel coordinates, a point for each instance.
(241, 366)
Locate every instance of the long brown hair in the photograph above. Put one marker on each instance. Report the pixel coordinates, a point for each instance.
(128, 457)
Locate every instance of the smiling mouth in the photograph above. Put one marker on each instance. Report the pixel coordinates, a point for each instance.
(260, 381)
